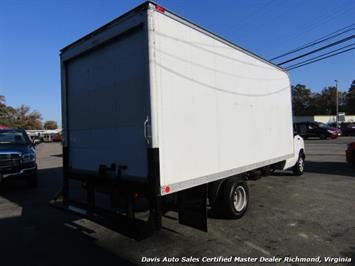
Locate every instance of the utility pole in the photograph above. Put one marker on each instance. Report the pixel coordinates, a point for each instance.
(337, 103)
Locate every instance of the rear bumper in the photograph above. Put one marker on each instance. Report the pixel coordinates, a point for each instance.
(334, 135)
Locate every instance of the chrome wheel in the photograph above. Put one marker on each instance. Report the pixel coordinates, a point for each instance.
(298, 169)
(301, 164)
(239, 198)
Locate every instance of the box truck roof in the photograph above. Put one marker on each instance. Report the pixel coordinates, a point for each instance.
(163, 10)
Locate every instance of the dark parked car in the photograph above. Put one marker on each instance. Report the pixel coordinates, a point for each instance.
(57, 137)
(17, 156)
(350, 153)
(348, 129)
(315, 129)
(336, 128)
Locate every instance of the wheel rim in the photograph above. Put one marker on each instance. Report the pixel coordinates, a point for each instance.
(239, 198)
(301, 164)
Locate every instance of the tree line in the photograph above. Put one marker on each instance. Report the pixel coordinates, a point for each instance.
(22, 117)
(306, 102)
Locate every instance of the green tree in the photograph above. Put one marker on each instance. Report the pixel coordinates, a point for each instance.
(342, 101)
(327, 101)
(6, 113)
(350, 99)
(301, 100)
(20, 117)
(2, 100)
(28, 120)
(50, 124)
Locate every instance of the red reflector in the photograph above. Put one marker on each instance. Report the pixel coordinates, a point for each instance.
(167, 189)
(160, 8)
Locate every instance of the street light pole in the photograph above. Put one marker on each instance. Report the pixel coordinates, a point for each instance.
(337, 103)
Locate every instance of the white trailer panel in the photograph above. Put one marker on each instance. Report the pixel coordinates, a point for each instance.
(209, 96)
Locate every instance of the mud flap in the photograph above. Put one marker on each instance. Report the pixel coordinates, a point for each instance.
(192, 207)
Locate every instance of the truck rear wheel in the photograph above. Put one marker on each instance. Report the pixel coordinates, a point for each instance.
(298, 169)
(234, 198)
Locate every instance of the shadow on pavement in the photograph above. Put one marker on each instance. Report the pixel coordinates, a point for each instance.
(57, 155)
(33, 233)
(283, 173)
(330, 168)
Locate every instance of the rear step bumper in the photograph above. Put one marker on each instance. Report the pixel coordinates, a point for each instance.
(130, 227)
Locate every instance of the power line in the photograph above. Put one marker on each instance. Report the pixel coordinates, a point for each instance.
(335, 14)
(318, 49)
(319, 40)
(308, 60)
(330, 34)
(322, 58)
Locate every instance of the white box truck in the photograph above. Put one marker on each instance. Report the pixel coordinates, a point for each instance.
(156, 108)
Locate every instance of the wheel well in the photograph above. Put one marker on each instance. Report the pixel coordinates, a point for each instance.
(215, 186)
(302, 154)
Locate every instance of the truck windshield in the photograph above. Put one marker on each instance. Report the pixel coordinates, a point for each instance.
(12, 137)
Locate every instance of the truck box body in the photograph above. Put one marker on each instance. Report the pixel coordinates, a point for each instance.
(152, 80)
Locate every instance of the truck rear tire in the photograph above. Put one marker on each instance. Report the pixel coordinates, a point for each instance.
(298, 169)
(233, 198)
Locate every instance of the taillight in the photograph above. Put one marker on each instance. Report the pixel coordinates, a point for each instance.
(167, 189)
(160, 8)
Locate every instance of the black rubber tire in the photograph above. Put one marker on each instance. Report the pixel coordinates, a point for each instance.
(32, 180)
(298, 169)
(322, 136)
(226, 206)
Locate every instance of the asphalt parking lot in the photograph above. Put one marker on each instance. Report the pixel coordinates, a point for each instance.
(308, 216)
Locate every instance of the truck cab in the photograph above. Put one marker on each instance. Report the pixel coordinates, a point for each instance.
(296, 163)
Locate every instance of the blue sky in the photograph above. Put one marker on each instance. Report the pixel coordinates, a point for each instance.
(33, 32)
